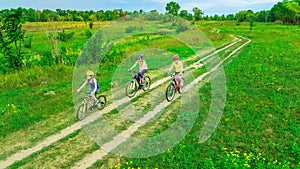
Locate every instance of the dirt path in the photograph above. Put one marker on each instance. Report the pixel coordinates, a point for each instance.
(122, 137)
(65, 132)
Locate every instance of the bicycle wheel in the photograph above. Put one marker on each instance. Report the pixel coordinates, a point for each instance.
(181, 89)
(102, 102)
(147, 84)
(170, 92)
(131, 88)
(81, 112)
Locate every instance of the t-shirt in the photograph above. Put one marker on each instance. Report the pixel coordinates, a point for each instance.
(178, 66)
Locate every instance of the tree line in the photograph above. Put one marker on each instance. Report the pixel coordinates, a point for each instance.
(287, 12)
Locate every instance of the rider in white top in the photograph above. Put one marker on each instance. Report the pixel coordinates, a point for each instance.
(142, 68)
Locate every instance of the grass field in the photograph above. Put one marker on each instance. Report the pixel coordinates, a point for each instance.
(259, 127)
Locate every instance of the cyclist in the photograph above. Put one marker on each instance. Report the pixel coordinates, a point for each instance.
(178, 70)
(142, 66)
(94, 86)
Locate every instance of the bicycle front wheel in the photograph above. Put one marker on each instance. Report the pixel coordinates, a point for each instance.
(81, 112)
(170, 92)
(147, 84)
(102, 102)
(131, 88)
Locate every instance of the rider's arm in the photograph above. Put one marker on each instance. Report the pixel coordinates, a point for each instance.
(134, 65)
(171, 67)
(181, 68)
(82, 85)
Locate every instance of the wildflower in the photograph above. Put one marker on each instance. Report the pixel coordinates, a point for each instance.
(225, 148)
(246, 165)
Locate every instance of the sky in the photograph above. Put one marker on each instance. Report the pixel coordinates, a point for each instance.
(210, 7)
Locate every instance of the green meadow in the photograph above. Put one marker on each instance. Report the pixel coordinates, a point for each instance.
(259, 127)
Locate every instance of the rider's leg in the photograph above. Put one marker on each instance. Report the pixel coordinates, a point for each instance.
(96, 101)
(179, 81)
(141, 73)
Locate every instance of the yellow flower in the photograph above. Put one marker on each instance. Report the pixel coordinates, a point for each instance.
(246, 165)
(224, 148)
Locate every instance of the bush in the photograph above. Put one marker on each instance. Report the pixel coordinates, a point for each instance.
(91, 24)
(65, 37)
(5, 66)
(47, 59)
(182, 26)
(27, 42)
(88, 34)
(130, 29)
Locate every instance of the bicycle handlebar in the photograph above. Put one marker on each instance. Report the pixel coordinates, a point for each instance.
(132, 72)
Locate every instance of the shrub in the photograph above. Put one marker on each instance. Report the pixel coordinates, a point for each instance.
(47, 58)
(27, 42)
(65, 37)
(182, 26)
(91, 24)
(130, 29)
(88, 34)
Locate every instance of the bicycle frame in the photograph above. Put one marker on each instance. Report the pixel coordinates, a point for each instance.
(135, 76)
(173, 81)
(87, 100)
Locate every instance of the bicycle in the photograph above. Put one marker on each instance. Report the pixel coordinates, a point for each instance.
(133, 86)
(87, 104)
(173, 87)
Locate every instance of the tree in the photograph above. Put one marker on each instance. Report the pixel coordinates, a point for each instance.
(197, 13)
(216, 17)
(223, 18)
(184, 14)
(230, 17)
(11, 37)
(241, 16)
(263, 16)
(294, 11)
(108, 15)
(286, 11)
(93, 17)
(172, 8)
